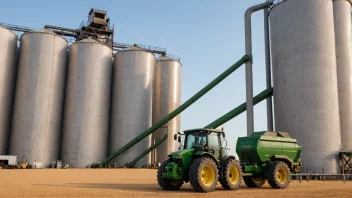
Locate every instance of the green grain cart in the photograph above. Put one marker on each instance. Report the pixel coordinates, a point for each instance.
(203, 162)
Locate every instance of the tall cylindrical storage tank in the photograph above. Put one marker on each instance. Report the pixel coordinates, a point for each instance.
(166, 98)
(131, 111)
(343, 38)
(87, 104)
(305, 82)
(8, 46)
(37, 113)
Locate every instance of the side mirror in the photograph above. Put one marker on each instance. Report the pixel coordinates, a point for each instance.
(179, 139)
(223, 134)
(175, 136)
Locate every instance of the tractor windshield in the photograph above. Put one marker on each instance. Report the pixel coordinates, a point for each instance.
(195, 140)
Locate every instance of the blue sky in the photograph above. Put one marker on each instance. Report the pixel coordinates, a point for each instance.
(207, 35)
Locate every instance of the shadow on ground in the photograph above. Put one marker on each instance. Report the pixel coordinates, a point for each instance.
(186, 188)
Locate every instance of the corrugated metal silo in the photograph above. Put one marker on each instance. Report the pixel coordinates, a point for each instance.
(166, 98)
(87, 104)
(305, 82)
(131, 111)
(343, 37)
(37, 114)
(8, 46)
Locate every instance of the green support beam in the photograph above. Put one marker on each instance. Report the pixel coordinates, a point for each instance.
(240, 109)
(132, 164)
(177, 111)
(230, 115)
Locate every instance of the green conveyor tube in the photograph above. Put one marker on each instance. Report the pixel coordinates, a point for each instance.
(131, 164)
(240, 109)
(225, 118)
(177, 111)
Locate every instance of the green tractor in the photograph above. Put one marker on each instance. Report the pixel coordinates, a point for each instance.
(203, 161)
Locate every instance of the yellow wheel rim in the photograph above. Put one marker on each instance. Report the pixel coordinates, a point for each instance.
(282, 175)
(208, 175)
(234, 175)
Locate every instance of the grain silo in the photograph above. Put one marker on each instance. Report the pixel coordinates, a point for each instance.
(87, 104)
(38, 103)
(305, 79)
(8, 44)
(166, 98)
(343, 38)
(131, 111)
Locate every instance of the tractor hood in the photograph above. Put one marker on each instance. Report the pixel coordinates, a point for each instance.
(180, 153)
(183, 157)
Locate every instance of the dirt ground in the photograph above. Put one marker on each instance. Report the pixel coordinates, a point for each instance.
(139, 183)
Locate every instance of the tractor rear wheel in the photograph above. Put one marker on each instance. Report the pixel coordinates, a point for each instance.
(231, 174)
(279, 175)
(203, 175)
(254, 182)
(166, 183)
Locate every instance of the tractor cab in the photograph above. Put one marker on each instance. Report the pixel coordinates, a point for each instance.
(204, 140)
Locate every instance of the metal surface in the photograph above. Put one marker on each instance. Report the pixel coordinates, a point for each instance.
(343, 39)
(160, 141)
(269, 102)
(38, 104)
(177, 111)
(240, 109)
(166, 98)
(249, 73)
(9, 159)
(87, 104)
(8, 65)
(304, 74)
(132, 94)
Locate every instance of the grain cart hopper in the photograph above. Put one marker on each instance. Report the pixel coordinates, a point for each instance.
(271, 156)
(203, 162)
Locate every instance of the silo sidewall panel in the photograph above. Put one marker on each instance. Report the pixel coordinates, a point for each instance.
(342, 18)
(305, 84)
(166, 98)
(87, 105)
(37, 114)
(131, 112)
(8, 65)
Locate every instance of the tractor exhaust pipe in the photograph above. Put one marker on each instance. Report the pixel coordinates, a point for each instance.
(249, 70)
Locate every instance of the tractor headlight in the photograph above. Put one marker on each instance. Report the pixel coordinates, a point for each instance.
(177, 157)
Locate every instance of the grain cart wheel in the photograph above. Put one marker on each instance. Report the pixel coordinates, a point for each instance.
(165, 183)
(254, 182)
(203, 175)
(231, 174)
(279, 175)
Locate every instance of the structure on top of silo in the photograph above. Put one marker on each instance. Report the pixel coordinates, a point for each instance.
(87, 104)
(38, 103)
(131, 111)
(305, 79)
(343, 38)
(166, 98)
(8, 65)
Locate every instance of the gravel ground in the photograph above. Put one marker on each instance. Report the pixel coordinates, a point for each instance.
(139, 183)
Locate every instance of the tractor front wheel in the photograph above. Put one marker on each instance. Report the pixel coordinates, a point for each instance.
(279, 175)
(254, 182)
(203, 175)
(166, 183)
(231, 174)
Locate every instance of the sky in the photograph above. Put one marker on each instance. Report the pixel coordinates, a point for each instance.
(207, 35)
